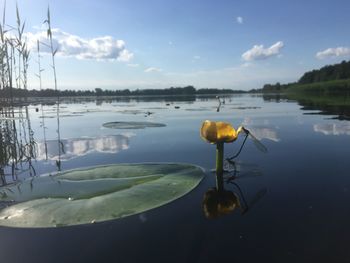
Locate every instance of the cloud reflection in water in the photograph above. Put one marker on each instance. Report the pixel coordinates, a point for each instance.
(78, 147)
(333, 128)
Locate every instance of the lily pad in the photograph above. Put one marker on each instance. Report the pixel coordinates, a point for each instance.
(246, 108)
(198, 109)
(95, 194)
(132, 125)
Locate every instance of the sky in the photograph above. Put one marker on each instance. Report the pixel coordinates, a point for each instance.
(138, 44)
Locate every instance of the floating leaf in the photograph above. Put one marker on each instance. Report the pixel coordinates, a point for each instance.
(132, 125)
(130, 112)
(198, 109)
(95, 194)
(245, 108)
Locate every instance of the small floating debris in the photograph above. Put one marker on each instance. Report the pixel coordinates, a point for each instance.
(177, 107)
(147, 113)
(132, 125)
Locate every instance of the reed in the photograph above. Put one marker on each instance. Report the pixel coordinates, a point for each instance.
(18, 147)
(42, 104)
(53, 53)
(17, 144)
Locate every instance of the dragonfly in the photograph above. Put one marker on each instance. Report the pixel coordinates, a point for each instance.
(261, 147)
(219, 133)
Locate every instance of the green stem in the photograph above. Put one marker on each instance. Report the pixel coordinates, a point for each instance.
(219, 166)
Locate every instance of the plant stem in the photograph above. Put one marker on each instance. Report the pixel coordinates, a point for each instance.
(219, 166)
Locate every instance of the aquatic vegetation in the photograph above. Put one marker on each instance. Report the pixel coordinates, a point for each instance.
(61, 116)
(220, 133)
(198, 109)
(132, 125)
(95, 194)
(246, 108)
(131, 111)
(17, 144)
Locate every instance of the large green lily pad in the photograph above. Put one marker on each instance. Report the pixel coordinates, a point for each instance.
(132, 125)
(95, 194)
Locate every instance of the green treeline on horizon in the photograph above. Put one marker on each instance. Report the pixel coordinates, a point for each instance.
(178, 91)
(328, 79)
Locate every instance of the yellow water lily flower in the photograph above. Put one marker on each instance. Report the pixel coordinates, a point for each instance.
(218, 131)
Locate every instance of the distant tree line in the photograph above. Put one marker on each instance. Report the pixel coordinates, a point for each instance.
(331, 76)
(330, 72)
(178, 91)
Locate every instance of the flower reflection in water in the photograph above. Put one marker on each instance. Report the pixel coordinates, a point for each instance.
(217, 203)
(78, 147)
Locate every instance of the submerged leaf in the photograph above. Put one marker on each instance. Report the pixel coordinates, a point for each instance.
(95, 194)
(132, 125)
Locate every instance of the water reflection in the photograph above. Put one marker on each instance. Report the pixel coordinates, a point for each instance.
(327, 104)
(218, 201)
(19, 148)
(21, 102)
(78, 147)
(17, 144)
(333, 128)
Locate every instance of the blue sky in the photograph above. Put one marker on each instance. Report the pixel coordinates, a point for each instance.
(209, 44)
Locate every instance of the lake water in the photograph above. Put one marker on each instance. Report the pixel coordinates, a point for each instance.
(297, 194)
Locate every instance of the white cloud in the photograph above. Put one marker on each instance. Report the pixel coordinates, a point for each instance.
(333, 52)
(99, 48)
(239, 19)
(259, 52)
(152, 69)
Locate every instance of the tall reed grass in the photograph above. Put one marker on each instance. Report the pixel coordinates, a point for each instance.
(18, 147)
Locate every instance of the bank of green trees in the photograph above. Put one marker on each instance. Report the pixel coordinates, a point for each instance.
(328, 79)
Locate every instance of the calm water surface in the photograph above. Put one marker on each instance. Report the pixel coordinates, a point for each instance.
(297, 194)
